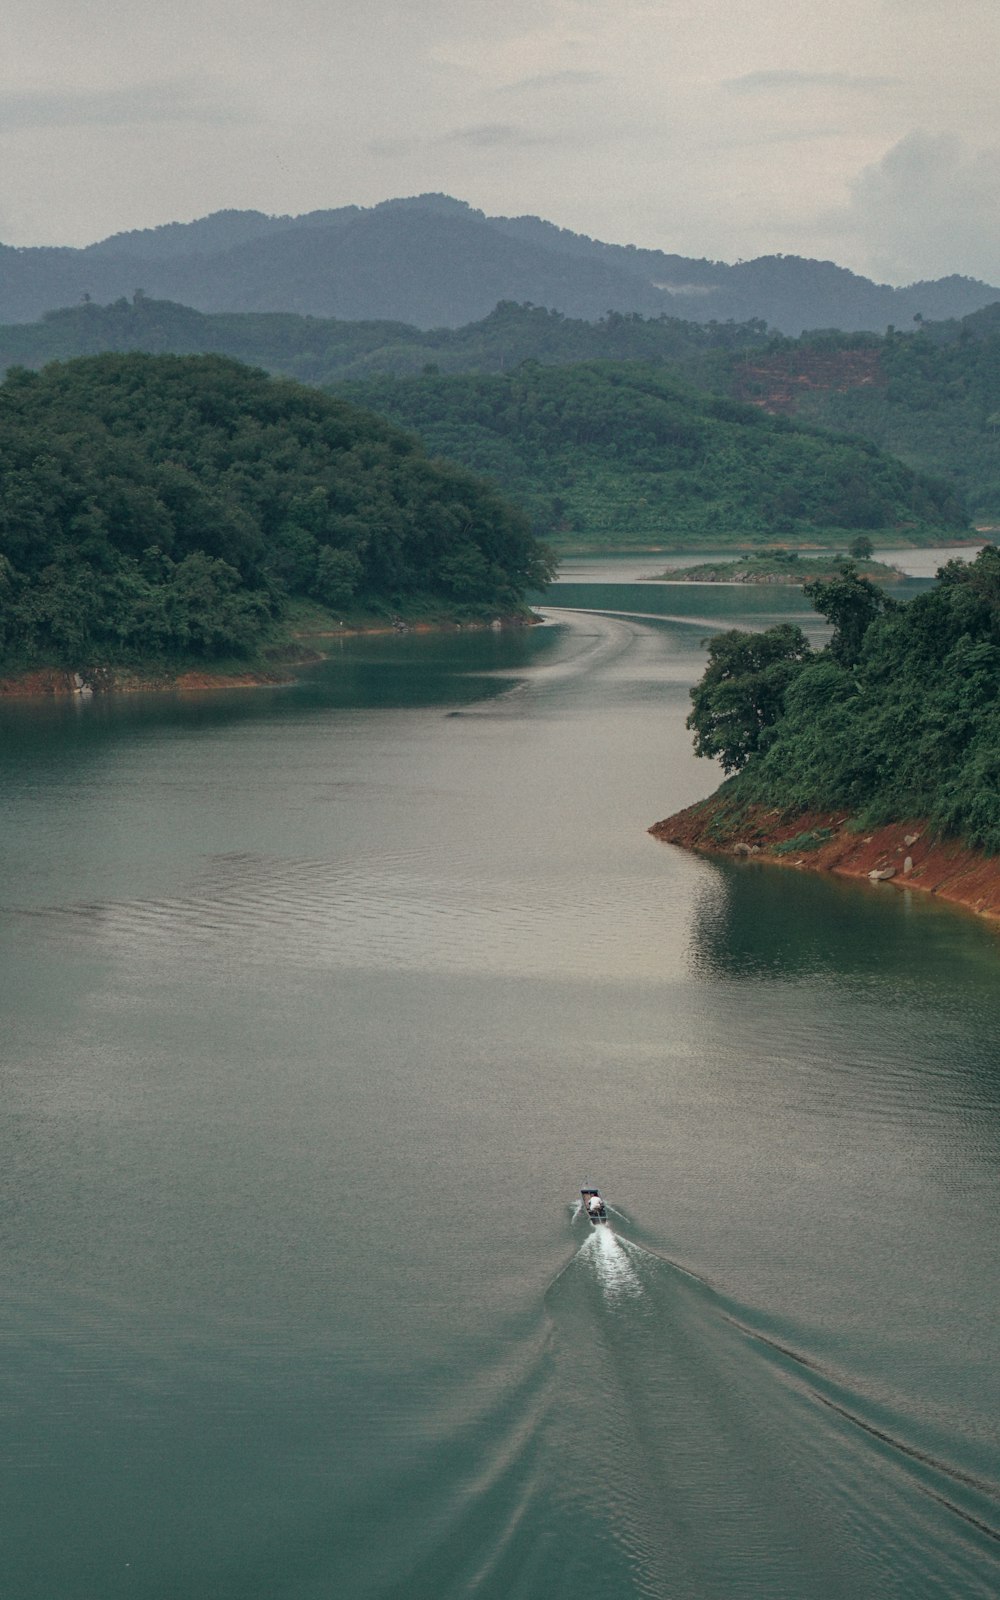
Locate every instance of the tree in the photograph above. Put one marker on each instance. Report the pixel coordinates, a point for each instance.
(851, 603)
(338, 573)
(861, 547)
(742, 692)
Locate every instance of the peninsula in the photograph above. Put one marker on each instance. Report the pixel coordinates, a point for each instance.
(877, 756)
(162, 516)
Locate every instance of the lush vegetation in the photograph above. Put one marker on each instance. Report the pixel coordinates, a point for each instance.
(323, 350)
(779, 566)
(930, 396)
(167, 508)
(898, 716)
(615, 452)
(939, 406)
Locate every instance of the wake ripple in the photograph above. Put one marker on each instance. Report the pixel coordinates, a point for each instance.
(735, 1462)
(609, 1256)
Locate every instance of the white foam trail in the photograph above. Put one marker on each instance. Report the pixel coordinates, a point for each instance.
(618, 1277)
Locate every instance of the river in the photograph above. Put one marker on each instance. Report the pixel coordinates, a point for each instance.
(320, 1004)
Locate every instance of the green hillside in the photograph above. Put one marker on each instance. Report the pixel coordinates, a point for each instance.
(622, 453)
(897, 717)
(323, 350)
(166, 508)
(931, 396)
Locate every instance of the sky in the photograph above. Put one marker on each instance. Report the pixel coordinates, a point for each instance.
(861, 131)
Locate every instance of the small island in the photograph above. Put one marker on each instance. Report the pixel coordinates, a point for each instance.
(877, 756)
(781, 566)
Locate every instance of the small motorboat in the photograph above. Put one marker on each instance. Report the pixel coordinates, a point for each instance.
(593, 1205)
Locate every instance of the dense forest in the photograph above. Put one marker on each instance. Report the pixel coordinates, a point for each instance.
(165, 508)
(323, 350)
(897, 717)
(931, 396)
(606, 452)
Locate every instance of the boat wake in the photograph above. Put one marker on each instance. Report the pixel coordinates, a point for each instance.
(699, 1400)
(609, 1256)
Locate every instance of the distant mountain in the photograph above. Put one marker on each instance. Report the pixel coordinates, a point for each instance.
(436, 262)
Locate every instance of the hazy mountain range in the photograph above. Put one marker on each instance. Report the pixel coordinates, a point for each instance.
(433, 261)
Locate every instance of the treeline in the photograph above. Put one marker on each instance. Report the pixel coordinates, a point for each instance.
(324, 350)
(610, 452)
(166, 508)
(897, 717)
(929, 395)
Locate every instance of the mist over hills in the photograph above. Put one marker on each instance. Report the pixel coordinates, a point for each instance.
(433, 261)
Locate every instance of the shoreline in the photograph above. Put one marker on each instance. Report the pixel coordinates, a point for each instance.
(571, 550)
(904, 855)
(36, 683)
(743, 576)
(53, 683)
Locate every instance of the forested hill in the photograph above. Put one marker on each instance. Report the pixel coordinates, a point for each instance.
(433, 261)
(623, 453)
(897, 718)
(157, 509)
(931, 395)
(323, 350)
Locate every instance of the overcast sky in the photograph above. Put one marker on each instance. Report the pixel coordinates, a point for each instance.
(866, 131)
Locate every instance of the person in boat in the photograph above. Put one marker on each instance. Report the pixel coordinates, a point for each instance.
(595, 1204)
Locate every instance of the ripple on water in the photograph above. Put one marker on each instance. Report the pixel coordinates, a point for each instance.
(390, 909)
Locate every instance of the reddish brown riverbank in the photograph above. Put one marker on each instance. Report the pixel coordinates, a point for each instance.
(52, 681)
(903, 854)
(113, 680)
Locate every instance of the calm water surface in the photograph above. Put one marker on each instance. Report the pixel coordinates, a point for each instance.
(321, 1002)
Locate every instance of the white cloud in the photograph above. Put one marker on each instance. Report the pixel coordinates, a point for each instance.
(567, 79)
(488, 135)
(781, 78)
(929, 207)
(112, 108)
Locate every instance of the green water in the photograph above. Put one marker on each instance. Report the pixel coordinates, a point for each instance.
(321, 1002)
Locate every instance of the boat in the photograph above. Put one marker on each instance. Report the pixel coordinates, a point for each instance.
(593, 1205)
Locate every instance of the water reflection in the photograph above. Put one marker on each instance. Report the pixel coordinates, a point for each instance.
(755, 920)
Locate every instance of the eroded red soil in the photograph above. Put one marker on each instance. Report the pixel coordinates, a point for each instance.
(906, 851)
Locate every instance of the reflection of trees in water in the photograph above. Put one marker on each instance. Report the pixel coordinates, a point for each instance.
(752, 920)
(56, 734)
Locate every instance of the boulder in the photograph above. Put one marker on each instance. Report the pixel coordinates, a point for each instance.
(882, 874)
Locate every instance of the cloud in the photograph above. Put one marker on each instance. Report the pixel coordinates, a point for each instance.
(477, 136)
(490, 135)
(179, 101)
(568, 79)
(929, 207)
(779, 78)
